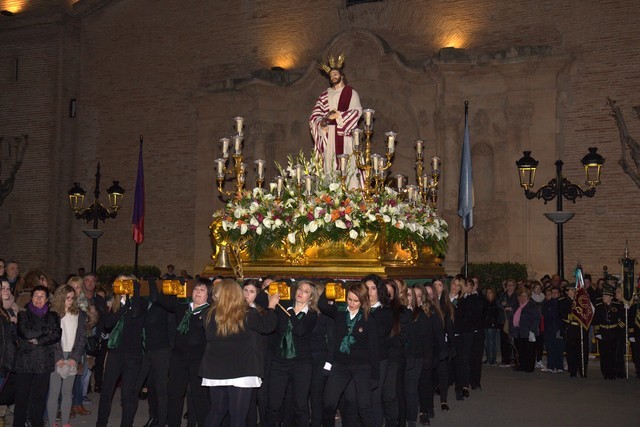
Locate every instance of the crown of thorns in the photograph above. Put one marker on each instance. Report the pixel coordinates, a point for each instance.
(332, 63)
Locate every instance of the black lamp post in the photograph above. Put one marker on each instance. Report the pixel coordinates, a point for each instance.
(96, 211)
(559, 188)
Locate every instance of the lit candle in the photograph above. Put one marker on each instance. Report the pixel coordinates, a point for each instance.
(260, 166)
(239, 122)
(368, 116)
(343, 163)
(391, 141)
(220, 166)
(298, 173)
(419, 145)
(411, 192)
(279, 184)
(225, 147)
(435, 163)
(400, 181)
(237, 144)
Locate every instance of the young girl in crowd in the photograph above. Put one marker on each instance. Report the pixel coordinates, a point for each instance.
(233, 362)
(68, 353)
(356, 354)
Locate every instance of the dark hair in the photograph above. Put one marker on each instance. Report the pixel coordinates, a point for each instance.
(396, 306)
(201, 281)
(383, 294)
(252, 282)
(40, 288)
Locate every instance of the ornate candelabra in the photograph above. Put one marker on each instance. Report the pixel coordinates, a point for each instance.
(239, 168)
(373, 167)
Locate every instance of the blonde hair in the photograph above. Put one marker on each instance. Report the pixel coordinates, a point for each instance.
(313, 301)
(402, 291)
(58, 302)
(116, 300)
(229, 308)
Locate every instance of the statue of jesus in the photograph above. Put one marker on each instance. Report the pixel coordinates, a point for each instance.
(334, 116)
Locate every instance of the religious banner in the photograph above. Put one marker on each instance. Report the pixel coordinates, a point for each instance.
(582, 309)
(627, 277)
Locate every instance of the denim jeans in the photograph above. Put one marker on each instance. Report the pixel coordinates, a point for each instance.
(491, 344)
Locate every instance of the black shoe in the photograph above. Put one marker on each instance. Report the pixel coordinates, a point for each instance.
(430, 413)
(185, 416)
(424, 419)
(444, 406)
(142, 395)
(151, 423)
(97, 389)
(465, 392)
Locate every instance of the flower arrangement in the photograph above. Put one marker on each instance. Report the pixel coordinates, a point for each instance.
(259, 220)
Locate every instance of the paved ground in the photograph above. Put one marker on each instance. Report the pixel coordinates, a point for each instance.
(508, 398)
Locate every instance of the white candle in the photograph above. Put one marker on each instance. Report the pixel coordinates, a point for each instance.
(419, 145)
(435, 163)
(225, 147)
(391, 141)
(260, 166)
(343, 163)
(220, 166)
(298, 172)
(368, 116)
(400, 181)
(307, 183)
(376, 162)
(355, 134)
(237, 144)
(425, 182)
(239, 122)
(280, 184)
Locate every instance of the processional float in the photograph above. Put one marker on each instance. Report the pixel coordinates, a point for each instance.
(308, 223)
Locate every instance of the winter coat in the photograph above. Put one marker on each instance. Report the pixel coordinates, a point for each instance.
(37, 358)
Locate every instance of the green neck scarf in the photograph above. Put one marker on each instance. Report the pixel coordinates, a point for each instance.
(287, 347)
(115, 337)
(349, 339)
(183, 327)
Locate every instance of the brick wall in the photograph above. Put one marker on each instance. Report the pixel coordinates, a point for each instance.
(138, 67)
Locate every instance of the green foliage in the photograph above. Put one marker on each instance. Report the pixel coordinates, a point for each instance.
(106, 273)
(492, 274)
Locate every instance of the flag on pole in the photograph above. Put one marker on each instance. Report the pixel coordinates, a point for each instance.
(582, 310)
(138, 204)
(465, 194)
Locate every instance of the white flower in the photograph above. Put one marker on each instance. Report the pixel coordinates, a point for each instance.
(334, 186)
(313, 226)
(254, 221)
(327, 217)
(272, 186)
(239, 212)
(257, 191)
(400, 225)
(259, 230)
(267, 222)
(353, 234)
(386, 218)
(291, 237)
(277, 223)
(244, 228)
(340, 224)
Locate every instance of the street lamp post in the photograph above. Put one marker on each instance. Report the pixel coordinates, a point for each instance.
(96, 211)
(560, 188)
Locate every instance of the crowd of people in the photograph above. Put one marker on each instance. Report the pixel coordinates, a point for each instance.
(237, 354)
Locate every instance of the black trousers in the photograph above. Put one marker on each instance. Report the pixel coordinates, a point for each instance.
(389, 394)
(125, 366)
(98, 369)
(572, 348)
(635, 352)
(298, 372)
(416, 386)
(31, 395)
(526, 354)
(440, 381)
(184, 372)
(376, 395)
(316, 392)
(505, 348)
(337, 382)
(155, 371)
(228, 400)
(400, 391)
(462, 344)
(475, 358)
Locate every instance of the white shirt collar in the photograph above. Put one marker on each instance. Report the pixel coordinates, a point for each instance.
(378, 304)
(305, 310)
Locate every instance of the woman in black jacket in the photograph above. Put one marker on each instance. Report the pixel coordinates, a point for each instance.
(125, 323)
(356, 354)
(524, 327)
(68, 352)
(291, 356)
(233, 364)
(38, 332)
